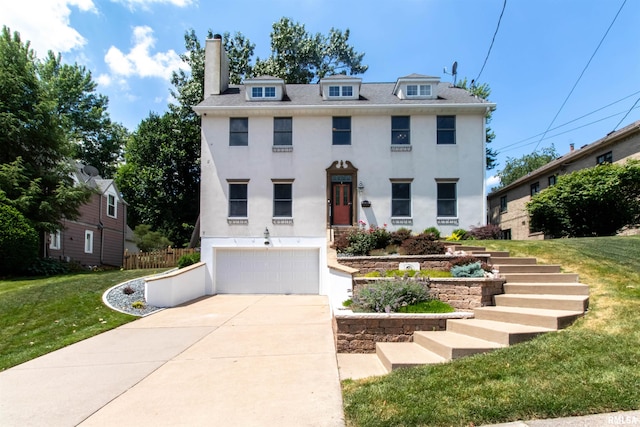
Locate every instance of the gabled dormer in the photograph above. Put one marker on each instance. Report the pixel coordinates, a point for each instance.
(417, 86)
(340, 87)
(265, 88)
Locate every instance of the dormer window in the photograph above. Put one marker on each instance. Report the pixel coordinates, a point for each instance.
(340, 87)
(265, 88)
(416, 86)
(263, 92)
(418, 90)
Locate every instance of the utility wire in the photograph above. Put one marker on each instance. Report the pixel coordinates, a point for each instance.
(625, 116)
(581, 74)
(504, 5)
(574, 120)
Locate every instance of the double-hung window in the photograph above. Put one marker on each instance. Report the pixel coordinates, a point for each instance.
(400, 130)
(238, 131)
(341, 131)
(503, 204)
(605, 158)
(446, 129)
(552, 180)
(111, 206)
(447, 199)
(282, 131)
(282, 199)
(54, 240)
(401, 199)
(238, 199)
(535, 188)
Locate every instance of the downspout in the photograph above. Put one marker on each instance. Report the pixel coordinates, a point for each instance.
(101, 228)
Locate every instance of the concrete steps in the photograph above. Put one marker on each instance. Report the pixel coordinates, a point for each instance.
(537, 299)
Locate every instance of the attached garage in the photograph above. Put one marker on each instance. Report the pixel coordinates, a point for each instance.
(267, 271)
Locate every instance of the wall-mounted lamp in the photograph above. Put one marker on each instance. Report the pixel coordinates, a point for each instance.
(267, 235)
(360, 187)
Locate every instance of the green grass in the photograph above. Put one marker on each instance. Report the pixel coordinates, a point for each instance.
(590, 367)
(430, 306)
(40, 315)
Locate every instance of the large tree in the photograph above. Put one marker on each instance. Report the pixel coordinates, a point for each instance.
(483, 91)
(34, 157)
(597, 201)
(82, 114)
(516, 168)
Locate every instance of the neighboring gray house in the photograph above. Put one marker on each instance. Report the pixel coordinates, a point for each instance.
(507, 206)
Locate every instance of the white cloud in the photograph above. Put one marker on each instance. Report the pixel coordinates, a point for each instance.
(145, 4)
(45, 23)
(140, 61)
(104, 80)
(491, 182)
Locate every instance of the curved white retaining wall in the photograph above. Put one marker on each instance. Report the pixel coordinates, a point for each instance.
(177, 287)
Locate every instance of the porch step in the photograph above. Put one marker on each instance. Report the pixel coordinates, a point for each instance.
(495, 260)
(528, 268)
(550, 302)
(451, 345)
(468, 248)
(546, 288)
(552, 319)
(500, 332)
(395, 355)
(540, 277)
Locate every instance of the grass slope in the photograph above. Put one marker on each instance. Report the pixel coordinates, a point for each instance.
(591, 367)
(39, 315)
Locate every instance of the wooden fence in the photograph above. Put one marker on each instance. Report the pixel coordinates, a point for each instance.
(165, 258)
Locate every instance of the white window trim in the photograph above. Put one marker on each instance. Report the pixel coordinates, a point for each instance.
(395, 219)
(115, 206)
(55, 240)
(443, 219)
(88, 242)
(341, 90)
(422, 90)
(263, 92)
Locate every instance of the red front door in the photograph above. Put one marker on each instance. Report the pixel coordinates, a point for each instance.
(341, 204)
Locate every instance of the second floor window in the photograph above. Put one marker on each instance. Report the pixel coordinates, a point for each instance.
(503, 204)
(238, 131)
(238, 200)
(400, 133)
(446, 130)
(605, 158)
(535, 188)
(552, 180)
(282, 132)
(341, 131)
(111, 205)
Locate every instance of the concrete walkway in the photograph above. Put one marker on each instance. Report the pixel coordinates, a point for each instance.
(226, 360)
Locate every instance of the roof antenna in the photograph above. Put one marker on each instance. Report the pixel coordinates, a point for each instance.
(454, 71)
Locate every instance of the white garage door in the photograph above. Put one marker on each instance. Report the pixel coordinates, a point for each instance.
(267, 271)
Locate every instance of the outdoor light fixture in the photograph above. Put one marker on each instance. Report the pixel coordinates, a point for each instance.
(266, 236)
(360, 187)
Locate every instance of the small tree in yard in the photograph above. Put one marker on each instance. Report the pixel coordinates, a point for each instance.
(597, 201)
(149, 241)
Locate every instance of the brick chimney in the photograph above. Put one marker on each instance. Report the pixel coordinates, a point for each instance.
(571, 148)
(216, 67)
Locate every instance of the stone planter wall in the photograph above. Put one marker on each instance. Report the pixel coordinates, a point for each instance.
(367, 264)
(359, 332)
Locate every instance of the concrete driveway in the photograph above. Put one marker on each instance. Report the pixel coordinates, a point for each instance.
(226, 360)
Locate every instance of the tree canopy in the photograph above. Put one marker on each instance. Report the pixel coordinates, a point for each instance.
(483, 91)
(516, 168)
(597, 201)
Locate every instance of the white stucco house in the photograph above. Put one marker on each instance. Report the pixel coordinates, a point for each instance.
(284, 164)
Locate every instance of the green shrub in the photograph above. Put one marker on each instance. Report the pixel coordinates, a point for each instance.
(434, 231)
(47, 267)
(430, 306)
(138, 304)
(188, 259)
(468, 270)
(373, 274)
(18, 241)
(347, 303)
(388, 295)
(381, 237)
(422, 244)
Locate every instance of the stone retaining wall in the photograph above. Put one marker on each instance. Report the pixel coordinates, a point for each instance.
(461, 293)
(367, 264)
(359, 332)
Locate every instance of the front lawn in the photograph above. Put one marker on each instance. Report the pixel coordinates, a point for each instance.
(39, 315)
(591, 367)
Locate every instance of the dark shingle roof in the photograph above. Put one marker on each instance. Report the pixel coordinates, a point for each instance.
(370, 94)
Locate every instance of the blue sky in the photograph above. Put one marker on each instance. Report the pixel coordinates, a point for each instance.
(540, 51)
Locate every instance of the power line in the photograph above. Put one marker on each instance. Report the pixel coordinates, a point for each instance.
(504, 5)
(581, 74)
(574, 120)
(625, 116)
